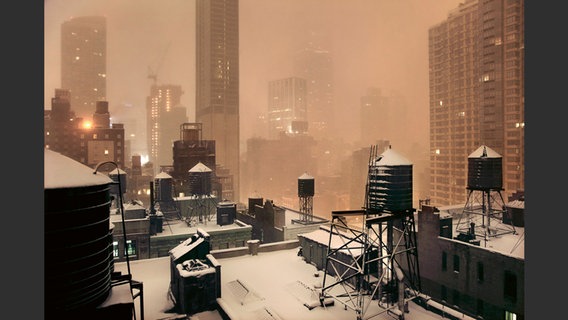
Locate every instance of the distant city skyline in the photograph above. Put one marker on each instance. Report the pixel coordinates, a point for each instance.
(374, 43)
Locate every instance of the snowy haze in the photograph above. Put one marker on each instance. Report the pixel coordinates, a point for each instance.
(382, 43)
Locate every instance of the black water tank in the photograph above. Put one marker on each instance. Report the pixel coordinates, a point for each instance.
(78, 236)
(163, 186)
(306, 186)
(484, 170)
(390, 183)
(200, 180)
(118, 176)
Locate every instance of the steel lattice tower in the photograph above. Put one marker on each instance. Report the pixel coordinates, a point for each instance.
(372, 260)
(484, 211)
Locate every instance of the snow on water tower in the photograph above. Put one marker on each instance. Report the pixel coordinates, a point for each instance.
(78, 237)
(485, 209)
(203, 205)
(200, 180)
(119, 178)
(163, 196)
(306, 190)
(390, 183)
(386, 271)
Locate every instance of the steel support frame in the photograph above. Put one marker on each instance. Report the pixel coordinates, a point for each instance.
(355, 283)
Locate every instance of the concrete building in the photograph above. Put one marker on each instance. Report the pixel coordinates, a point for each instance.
(88, 141)
(272, 223)
(217, 82)
(483, 278)
(83, 62)
(269, 170)
(476, 59)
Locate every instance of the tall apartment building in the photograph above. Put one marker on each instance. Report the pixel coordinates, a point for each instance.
(87, 140)
(164, 115)
(314, 63)
(83, 62)
(287, 108)
(217, 81)
(476, 59)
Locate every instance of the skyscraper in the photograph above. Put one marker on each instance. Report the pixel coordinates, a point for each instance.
(375, 116)
(217, 80)
(164, 115)
(476, 59)
(314, 63)
(286, 106)
(83, 62)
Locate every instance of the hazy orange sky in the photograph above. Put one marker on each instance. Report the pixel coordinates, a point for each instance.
(382, 43)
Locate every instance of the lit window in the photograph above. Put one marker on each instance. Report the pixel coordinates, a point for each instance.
(510, 316)
(115, 249)
(106, 151)
(130, 248)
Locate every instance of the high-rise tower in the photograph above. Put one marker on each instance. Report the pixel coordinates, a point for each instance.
(287, 110)
(476, 59)
(314, 63)
(164, 115)
(83, 62)
(217, 80)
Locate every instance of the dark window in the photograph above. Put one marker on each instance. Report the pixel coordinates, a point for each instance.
(456, 297)
(444, 261)
(479, 307)
(510, 283)
(456, 263)
(444, 293)
(480, 272)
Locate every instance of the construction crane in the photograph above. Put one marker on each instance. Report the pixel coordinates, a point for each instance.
(153, 72)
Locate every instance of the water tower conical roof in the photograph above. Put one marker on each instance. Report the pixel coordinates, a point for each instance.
(200, 167)
(305, 176)
(117, 171)
(163, 175)
(484, 151)
(63, 172)
(392, 158)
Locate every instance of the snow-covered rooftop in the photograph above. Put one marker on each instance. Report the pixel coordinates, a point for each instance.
(250, 289)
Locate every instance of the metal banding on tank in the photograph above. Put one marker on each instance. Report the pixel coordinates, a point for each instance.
(78, 236)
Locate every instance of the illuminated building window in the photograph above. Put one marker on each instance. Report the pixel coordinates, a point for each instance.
(115, 249)
(130, 248)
